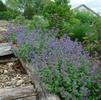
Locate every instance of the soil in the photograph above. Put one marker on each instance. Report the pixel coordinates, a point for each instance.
(13, 75)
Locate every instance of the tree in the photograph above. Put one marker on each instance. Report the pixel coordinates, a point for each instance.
(58, 13)
(28, 7)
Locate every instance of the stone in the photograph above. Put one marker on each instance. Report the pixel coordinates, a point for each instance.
(8, 83)
(13, 81)
(10, 77)
(19, 82)
(5, 49)
(10, 64)
(1, 71)
(5, 71)
(49, 97)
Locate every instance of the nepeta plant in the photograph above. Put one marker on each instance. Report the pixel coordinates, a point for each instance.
(9, 34)
(17, 35)
(64, 69)
(28, 41)
(61, 64)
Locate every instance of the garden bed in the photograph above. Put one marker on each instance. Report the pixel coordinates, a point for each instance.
(51, 66)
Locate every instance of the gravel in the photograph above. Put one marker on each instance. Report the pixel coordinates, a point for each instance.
(13, 75)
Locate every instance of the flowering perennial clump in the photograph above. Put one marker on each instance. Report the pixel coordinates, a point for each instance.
(61, 64)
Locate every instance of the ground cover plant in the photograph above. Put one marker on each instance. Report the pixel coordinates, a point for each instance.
(64, 68)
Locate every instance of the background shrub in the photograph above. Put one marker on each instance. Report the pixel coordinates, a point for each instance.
(97, 26)
(20, 20)
(79, 31)
(39, 22)
(26, 7)
(84, 16)
(58, 14)
(8, 15)
(2, 7)
(93, 39)
(85, 26)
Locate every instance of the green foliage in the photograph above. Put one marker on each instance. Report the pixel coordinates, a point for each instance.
(2, 6)
(97, 26)
(8, 15)
(28, 13)
(89, 32)
(98, 23)
(20, 20)
(69, 87)
(96, 89)
(92, 44)
(23, 51)
(85, 26)
(28, 7)
(74, 21)
(79, 31)
(92, 40)
(84, 16)
(58, 13)
(12, 37)
(39, 22)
